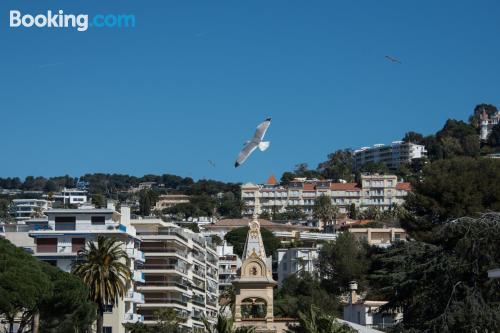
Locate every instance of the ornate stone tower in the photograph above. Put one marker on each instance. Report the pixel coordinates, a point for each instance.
(254, 286)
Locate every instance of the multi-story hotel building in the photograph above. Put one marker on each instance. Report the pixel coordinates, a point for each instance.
(394, 155)
(295, 260)
(380, 191)
(24, 209)
(66, 231)
(180, 271)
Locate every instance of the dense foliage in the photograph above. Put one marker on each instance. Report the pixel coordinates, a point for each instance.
(237, 237)
(442, 286)
(453, 188)
(31, 289)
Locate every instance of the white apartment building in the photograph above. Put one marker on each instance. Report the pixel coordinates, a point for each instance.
(294, 260)
(180, 271)
(393, 155)
(380, 191)
(72, 196)
(68, 230)
(24, 209)
(229, 262)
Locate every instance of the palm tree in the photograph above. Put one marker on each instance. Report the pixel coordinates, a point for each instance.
(226, 325)
(102, 268)
(227, 299)
(316, 321)
(325, 211)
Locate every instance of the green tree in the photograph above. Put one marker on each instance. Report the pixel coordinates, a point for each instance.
(442, 285)
(299, 292)
(99, 200)
(67, 307)
(413, 137)
(314, 320)
(452, 188)
(23, 284)
(167, 321)
(147, 199)
(102, 267)
(342, 261)
(226, 325)
(339, 165)
(237, 237)
(494, 137)
(325, 211)
(192, 226)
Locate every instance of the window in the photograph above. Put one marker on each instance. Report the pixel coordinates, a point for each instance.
(107, 329)
(108, 308)
(97, 220)
(46, 245)
(77, 244)
(65, 222)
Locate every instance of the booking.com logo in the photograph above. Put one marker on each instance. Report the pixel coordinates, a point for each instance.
(80, 22)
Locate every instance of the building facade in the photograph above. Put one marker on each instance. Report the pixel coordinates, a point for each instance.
(24, 209)
(486, 122)
(382, 237)
(380, 191)
(67, 231)
(71, 196)
(393, 155)
(295, 260)
(180, 272)
(229, 263)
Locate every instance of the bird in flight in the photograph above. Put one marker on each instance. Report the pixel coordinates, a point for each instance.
(256, 141)
(211, 163)
(392, 59)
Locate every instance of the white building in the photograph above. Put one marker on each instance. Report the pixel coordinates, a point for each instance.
(486, 122)
(180, 271)
(71, 196)
(24, 209)
(394, 155)
(68, 230)
(294, 260)
(367, 313)
(380, 191)
(229, 263)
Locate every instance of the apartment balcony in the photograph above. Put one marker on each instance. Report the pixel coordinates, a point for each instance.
(150, 251)
(138, 277)
(136, 255)
(155, 301)
(164, 285)
(134, 297)
(133, 318)
(163, 268)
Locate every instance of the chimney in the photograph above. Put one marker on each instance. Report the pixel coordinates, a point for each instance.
(353, 297)
(125, 212)
(110, 205)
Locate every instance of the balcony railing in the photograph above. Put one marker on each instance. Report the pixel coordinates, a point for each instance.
(162, 300)
(164, 267)
(166, 284)
(146, 249)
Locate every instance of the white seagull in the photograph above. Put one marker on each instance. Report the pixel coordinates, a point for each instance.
(256, 141)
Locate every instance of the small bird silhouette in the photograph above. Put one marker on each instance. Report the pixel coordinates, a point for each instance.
(392, 59)
(211, 163)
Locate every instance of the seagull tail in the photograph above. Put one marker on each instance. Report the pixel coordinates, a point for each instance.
(264, 145)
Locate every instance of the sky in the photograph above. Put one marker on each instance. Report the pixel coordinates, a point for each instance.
(191, 81)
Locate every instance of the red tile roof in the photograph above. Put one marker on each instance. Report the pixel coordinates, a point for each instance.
(403, 186)
(309, 187)
(272, 180)
(344, 187)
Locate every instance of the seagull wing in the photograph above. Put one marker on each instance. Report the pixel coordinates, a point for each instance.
(261, 130)
(245, 152)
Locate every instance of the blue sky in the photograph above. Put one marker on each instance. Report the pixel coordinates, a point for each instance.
(191, 81)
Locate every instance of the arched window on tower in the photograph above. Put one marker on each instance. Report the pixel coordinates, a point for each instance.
(253, 308)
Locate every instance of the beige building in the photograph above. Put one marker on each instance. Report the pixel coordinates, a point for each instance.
(169, 200)
(380, 191)
(382, 237)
